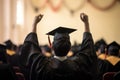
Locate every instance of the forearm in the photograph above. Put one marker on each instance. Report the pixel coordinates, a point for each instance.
(36, 21)
(87, 29)
(34, 28)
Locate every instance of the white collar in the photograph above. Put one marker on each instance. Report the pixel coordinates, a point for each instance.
(61, 58)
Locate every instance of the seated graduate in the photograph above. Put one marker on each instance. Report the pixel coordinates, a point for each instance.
(102, 49)
(112, 62)
(81, 66)
(10, 47)
(113, 59)
(6, 70)
(12, 55)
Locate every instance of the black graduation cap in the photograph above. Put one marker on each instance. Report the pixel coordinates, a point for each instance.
(113, 48)
(8, 42)
(10, 45)
(59, 32)
(113, 44)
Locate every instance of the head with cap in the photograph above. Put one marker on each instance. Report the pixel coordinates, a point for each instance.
(10, 45)
(113, 48)
(100, 46)
(61, 43)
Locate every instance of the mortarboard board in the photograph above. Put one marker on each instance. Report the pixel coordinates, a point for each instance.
(113, 48)
(8, 42)
(113, 44)
(60, 32)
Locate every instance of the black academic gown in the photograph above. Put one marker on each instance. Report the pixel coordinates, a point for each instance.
(28, 51)
(102, 67)
(82, 66)
(113, 64)
(110, 64)
(7, 72)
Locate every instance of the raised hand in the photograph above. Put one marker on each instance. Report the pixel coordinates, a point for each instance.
(36, 21)
(84, 17)
(38, 18)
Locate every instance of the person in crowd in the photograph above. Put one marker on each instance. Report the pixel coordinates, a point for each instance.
(113, 59)
(6, 70)
(11, 51)
(81, 66)
(10, 47)
(101, 52)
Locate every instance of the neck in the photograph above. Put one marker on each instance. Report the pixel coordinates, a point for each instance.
(61, 58)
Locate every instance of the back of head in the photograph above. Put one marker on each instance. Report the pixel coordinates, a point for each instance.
(61, 44)
(100, 45)
(113, 48)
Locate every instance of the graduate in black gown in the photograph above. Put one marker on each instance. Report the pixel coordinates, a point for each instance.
(113, 59)
(82, 66)
(6, 70)
(101, 45)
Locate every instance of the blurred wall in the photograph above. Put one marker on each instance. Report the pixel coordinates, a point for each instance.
(103, 24)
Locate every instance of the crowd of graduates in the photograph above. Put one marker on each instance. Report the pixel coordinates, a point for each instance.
(16, 61)
(108, 57)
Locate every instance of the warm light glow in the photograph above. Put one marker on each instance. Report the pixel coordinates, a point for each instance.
(20, 12)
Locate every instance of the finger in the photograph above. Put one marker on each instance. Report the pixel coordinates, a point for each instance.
(40, 16)
(82, 16)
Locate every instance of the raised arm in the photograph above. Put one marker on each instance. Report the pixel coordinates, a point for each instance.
(84, 18)
(30, 46)
(36, 21)
(87, 45)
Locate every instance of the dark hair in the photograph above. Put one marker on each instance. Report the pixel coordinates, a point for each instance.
(61, 47)
(113, 50)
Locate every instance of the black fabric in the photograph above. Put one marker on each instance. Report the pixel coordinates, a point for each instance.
(3, 56)
(28, 49)
(82, 66)
(7, 72)
(103, 67)
(13, 59)
(113, 68)
(116, 76)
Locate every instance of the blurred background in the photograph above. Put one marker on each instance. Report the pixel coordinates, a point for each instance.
(16, 18)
